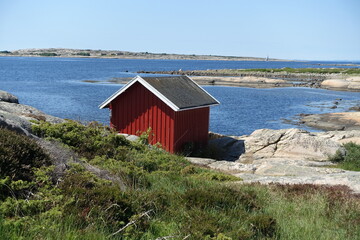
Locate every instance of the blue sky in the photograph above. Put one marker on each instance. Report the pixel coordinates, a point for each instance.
(298, 29)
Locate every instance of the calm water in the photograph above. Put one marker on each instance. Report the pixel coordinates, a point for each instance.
(55, 86)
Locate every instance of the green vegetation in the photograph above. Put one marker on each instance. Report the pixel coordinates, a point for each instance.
(87, 54)
(287, 70)
(5, 52)
(18, 154)
(165, 196)
(350, 160)
(48, 54)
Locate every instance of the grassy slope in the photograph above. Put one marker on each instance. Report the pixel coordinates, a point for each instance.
(181, 200)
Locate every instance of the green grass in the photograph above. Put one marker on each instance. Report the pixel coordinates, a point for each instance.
(182, 201)
(350, 160)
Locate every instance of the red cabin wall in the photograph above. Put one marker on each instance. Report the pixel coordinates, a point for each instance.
(137, 109)
(192, 126)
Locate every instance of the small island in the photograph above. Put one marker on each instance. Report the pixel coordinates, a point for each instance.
(116, 54)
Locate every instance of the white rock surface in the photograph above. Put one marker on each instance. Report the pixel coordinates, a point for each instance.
(287, 156)
(288, 143)
(350, 83)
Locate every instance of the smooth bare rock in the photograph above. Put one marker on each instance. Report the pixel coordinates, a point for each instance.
(339, 136)
(350, 83)
(200, 161)
(289, 156)
(27, 112)
(8, 97)
(333, 121)
(354, 85)
(335, 83)
(17, 117)
(293, 144)
(354, 79)
(223, 166)
(232, 167)
(15, 123)
(129, 137)
(355, 140)
(291, 167)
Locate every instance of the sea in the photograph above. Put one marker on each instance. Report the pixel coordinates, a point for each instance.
(73, 88)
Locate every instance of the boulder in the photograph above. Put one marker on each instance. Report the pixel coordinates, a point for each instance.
(8, 97)
(27, 112)
(292, 144)
(350, 83)
(15, 123)
(335, 83)
(16, 117)
(132, 138)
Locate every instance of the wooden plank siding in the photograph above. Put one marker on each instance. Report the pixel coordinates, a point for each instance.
(192, 126)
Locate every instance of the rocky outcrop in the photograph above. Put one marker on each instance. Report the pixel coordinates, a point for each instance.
(293, 144)
(16, 117)
(333, 121)
(8, 97)
(286, 156)
(349, 83)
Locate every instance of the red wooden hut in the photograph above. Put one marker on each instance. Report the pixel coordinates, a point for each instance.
(175, 108)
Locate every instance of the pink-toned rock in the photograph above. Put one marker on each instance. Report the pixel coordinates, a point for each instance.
(335, 83)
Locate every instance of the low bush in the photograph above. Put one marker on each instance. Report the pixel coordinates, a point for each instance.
(48, 54)
(350, 160)
(19, 155)
(83, 54)
(89, 141)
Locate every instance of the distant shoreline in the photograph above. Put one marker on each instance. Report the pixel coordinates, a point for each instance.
(115, 54)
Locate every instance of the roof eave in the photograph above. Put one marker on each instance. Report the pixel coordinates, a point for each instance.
(197, 107)
(106, 103)
(139, 79)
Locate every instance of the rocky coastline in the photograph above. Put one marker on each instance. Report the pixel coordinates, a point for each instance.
(332, 121)
(286, 156)
(259, 79)
(17, 117)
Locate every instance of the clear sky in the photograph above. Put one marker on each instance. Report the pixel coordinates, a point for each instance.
(288, 29)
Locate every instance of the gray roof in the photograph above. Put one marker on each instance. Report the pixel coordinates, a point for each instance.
(181, 91)
(178, 92)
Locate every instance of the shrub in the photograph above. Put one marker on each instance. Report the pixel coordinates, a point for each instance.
(48, 54)
(94, 200)
(5, 52)
(83, 54)
(89, 141)
(264, 225)
(18, 155)
(350, 160)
